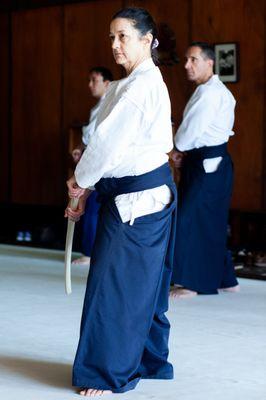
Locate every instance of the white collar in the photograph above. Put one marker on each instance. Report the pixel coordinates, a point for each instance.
(214, 77)
(144, 66)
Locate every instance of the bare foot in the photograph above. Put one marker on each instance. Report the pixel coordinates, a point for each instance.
(82, 261)
(182, 293)
(93, 392)
(233, 289)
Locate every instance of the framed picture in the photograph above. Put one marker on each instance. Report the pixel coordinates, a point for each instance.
(226, 61)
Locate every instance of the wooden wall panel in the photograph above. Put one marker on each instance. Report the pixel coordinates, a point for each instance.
(86, 44)
(240, 21)
(52, 50)
(37, 160)
(264, 126)
(4, 107)
(175, 13)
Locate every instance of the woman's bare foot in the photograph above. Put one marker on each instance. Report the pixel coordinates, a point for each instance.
(84, 260)
(94, 392)
(182, 293)
(233, 289)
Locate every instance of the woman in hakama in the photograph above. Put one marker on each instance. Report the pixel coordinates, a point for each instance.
(124, 330)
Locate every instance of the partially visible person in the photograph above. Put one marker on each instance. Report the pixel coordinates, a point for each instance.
(124, 330)
(99, 79)
(202, 264)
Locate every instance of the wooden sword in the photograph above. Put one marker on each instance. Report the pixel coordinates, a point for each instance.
(68, 248)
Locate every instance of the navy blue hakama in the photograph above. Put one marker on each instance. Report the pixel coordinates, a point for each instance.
(124, 330)
(202, 262)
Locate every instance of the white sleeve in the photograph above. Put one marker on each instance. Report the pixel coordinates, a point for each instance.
(87, 131)
(109, 143)
(198, 117)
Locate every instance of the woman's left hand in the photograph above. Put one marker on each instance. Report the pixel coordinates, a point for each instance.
(75, 215)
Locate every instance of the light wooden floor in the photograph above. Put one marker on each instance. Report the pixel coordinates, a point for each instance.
(217, 344)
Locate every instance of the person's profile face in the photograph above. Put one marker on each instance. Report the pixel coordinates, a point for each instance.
(127, 44)
(196, 65)
(97, 85)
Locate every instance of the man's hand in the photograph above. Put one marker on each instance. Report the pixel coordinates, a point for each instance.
(177, 158)
(77, 152)
(76, 155)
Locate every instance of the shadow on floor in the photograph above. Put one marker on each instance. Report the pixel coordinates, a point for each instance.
(46, 372)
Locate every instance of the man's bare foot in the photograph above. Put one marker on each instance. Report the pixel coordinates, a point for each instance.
(94, 392)
(233, 289)
(82, 261)
(182, 293)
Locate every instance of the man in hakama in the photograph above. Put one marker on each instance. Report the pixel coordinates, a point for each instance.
(202, 264)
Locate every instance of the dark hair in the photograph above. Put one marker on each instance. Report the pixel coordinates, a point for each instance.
(142, 21)
(206, 49)
(105, 72)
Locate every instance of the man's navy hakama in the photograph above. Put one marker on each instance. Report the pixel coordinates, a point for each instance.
(89, 223)
(202, 262)
(124, 330)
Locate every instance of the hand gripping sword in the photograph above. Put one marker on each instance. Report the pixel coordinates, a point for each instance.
(68, 249)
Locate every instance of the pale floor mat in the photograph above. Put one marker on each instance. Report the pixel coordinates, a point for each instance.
(217, 343)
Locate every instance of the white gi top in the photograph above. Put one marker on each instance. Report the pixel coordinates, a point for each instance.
(207, 120)
(88, 130)
(132, 136)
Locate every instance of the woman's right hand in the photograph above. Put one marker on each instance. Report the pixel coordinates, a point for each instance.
(73, 188)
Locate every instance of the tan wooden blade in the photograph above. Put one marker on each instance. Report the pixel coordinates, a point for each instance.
(68, 248)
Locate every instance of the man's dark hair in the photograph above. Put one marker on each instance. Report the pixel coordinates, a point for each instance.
(105, 72)
(206, 49)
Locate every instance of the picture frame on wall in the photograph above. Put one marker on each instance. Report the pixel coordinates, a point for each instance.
(226, 61)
